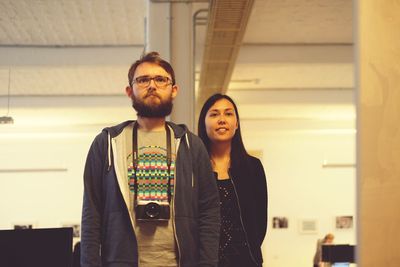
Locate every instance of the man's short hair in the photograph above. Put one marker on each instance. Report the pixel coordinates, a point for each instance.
(151, 57)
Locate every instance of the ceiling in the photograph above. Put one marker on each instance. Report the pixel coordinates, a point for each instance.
(61, 57)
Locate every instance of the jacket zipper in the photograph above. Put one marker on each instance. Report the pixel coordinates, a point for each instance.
(241, 220)
(175, 180)
(117, 174)
(176, 237)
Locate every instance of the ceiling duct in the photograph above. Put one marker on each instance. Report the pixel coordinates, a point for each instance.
(227, 21)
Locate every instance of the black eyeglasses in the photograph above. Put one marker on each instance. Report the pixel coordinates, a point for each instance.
(160, 81)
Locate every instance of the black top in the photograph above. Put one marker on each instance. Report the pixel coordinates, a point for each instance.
(251, 188)
(232, 237)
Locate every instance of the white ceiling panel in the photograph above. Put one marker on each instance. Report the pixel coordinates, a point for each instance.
(292, 76)
(65, 71)
(300, 21)
(65, 80)
(72, 22)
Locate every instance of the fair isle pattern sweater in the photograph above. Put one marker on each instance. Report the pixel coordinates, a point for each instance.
(152, 172)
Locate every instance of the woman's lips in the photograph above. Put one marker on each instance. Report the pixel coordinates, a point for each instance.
(221, 130)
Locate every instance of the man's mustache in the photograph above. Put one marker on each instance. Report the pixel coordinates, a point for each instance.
(151, 93)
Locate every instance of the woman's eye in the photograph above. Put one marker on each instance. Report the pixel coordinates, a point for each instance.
(213, 115)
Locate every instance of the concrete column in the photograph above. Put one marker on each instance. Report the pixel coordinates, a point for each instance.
(170, 32)
(182, 61)
(158, 28)
(378, 132)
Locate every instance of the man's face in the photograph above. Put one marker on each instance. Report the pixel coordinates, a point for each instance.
(153, 97)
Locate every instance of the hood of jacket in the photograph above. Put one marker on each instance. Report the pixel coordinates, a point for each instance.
(180, 130)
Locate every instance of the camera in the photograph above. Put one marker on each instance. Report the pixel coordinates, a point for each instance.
(152, 211)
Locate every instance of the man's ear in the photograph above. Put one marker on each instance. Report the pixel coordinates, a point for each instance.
(129, 91)
(175, 89)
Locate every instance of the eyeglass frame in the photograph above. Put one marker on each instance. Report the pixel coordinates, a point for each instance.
(152, 78)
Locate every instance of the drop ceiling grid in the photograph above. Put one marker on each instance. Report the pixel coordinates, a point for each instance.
(72, 22)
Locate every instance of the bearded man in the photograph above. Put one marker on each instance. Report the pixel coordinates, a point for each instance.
(150, 197)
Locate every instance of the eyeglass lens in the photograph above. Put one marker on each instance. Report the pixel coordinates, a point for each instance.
(160, 81)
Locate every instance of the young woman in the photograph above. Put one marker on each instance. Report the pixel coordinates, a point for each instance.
(241, 181)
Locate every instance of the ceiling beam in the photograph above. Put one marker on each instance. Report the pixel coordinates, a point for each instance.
(225, 30)
(68, 56)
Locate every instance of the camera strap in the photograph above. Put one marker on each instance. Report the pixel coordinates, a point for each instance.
(135, 157)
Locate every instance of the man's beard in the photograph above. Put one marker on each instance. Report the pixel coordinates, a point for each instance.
(152, 110)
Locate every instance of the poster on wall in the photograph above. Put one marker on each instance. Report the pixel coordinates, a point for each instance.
(23, 226)
(76, 228)
(344, 222)
(280, 222)
(308, 226)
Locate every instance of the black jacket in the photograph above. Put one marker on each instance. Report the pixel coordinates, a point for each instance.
(251, 187)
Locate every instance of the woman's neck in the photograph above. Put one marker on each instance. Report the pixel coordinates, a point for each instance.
(221, 159)
(220, 151)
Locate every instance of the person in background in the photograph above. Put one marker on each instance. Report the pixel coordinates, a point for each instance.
(76, 255)
(241, 182)
(328, 239)
(150, 197)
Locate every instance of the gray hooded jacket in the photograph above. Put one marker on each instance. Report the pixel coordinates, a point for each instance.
(108, 237)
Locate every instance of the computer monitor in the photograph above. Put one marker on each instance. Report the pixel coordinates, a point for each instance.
(36, 247)
(338, 253)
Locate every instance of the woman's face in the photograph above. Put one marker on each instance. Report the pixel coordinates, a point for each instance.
(221, 122)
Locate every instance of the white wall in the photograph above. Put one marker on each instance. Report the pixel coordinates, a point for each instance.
(42, 198)
(300, 188)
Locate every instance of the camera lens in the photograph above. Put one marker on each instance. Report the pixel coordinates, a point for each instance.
(152, 210)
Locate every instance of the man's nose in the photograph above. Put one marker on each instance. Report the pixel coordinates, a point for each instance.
(152, 83)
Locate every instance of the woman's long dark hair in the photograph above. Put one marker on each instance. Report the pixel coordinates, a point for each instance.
(238, 151)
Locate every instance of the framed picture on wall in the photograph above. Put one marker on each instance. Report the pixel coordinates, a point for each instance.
(23, 226)
(76, 228)
(280, 222)
(344, 222)
(308, 226)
